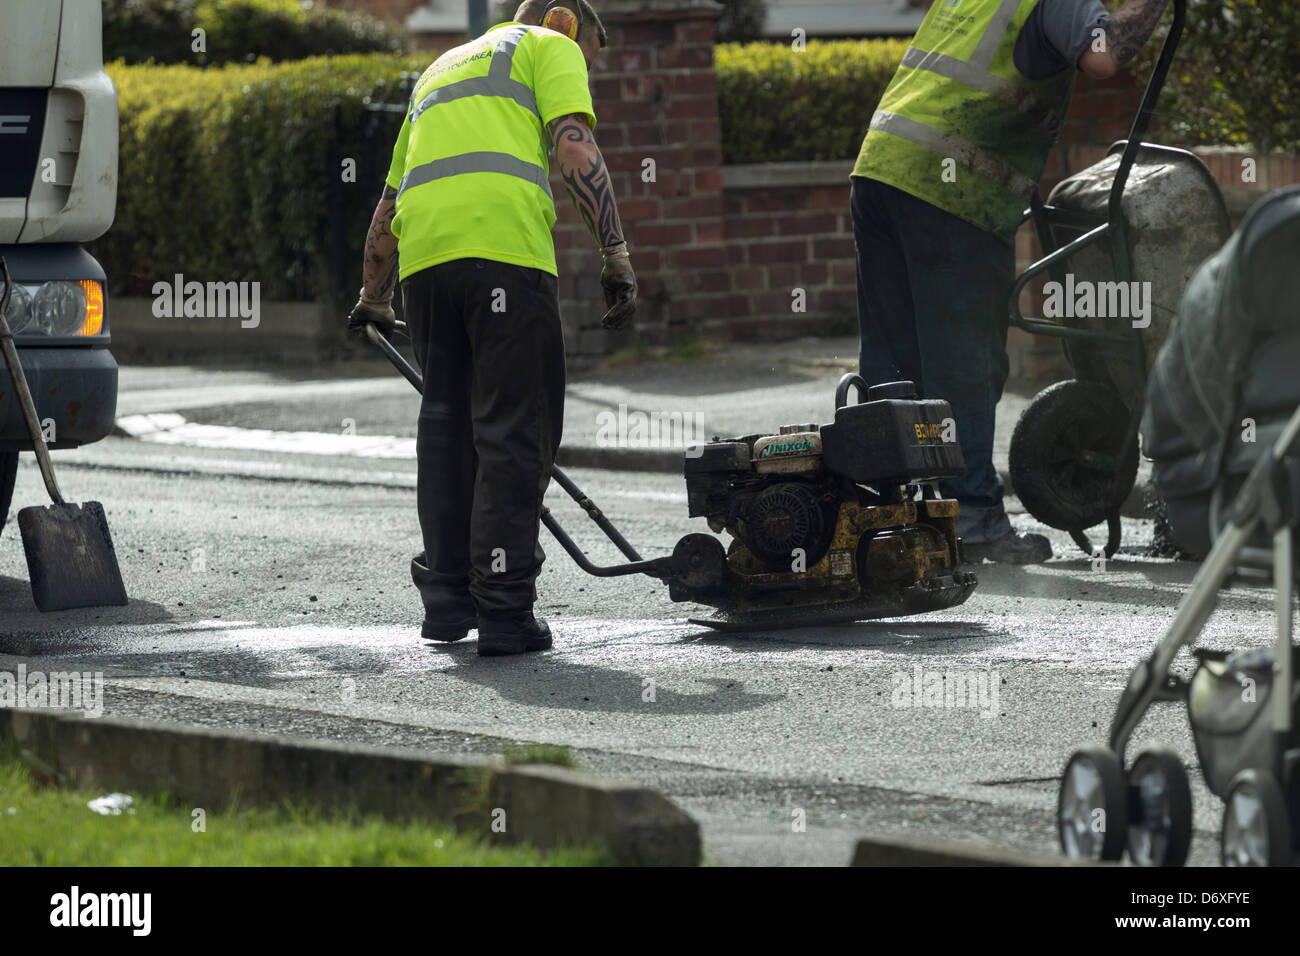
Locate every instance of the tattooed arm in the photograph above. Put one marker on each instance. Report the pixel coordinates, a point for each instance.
(1130, 27)
(379, 272)
(586, 177)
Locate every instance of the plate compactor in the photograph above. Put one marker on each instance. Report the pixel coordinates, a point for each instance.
(828, 523)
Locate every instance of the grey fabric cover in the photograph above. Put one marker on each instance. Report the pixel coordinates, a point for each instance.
(1233, 352)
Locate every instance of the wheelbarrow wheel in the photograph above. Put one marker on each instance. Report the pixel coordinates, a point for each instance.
(1068, 466)
(8, 475)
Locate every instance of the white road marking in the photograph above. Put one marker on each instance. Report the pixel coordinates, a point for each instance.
(171, 429)
(137, 401)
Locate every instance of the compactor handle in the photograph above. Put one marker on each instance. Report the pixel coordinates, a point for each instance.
(842, 389)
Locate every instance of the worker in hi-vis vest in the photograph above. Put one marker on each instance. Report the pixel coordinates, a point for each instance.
(953, 154)
(469, 208)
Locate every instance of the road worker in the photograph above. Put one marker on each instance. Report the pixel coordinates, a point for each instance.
(954, 151)
(464, 224)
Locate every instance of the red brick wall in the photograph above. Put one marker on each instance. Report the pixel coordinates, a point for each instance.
(656, 99)
(783, 240)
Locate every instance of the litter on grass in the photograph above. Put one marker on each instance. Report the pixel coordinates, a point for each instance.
(112, 805)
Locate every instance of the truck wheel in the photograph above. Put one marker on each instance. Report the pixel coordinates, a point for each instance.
(1057, 453)
(8, 475)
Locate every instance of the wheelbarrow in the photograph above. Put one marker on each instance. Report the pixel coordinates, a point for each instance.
(1145, 214)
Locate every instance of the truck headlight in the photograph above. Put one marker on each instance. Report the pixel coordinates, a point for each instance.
(19, 313)
(57, 308)
(60, 308)
(94, 293)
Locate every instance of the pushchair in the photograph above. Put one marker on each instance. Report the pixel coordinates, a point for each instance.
(1143, 214)
(1222, 425)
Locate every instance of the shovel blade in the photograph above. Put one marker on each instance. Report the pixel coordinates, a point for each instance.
(70, 557)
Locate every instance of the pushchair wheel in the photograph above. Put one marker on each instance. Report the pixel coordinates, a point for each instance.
(1160, 816)
(1067, 461)
(1256, 831)
(1092, 806)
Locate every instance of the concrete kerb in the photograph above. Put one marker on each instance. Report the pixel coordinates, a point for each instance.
(895, 849)
(545, 806)
(558, 806)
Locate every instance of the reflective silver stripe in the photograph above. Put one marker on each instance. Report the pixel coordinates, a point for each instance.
(967, 74)
(994, 34)
(947, 145)
(504, 56)
(478, 86)
(485, 162)
(496, 83)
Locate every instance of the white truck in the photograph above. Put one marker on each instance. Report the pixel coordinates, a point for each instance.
(58, 189)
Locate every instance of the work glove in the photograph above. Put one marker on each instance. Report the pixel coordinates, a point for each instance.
(378, 311)
(619, 284)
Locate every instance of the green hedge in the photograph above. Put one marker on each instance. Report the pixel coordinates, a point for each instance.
(138, 31)
(226, 173)
(1236, 80)
(777, 104)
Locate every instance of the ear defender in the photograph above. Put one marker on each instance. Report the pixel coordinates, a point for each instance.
(562, 20)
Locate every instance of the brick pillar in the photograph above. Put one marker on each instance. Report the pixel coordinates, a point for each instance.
(656, 99)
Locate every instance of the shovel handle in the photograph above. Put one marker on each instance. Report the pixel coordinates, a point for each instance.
(25, 393)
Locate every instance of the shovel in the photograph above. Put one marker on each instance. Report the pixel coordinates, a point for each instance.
(70, 556)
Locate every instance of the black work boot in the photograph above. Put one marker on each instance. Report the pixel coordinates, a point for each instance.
(513, 633)
(449, 624)
(1012, 548)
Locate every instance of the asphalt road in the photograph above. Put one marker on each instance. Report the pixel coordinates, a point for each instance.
(270, 592)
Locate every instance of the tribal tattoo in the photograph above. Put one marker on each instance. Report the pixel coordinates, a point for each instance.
(1131, 27)
(586, 177)
(379, 273)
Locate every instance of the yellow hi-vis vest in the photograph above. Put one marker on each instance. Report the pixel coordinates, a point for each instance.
(470, 166)
(959, 126)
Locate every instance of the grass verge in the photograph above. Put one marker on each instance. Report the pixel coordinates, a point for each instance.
(555, 754)
(43, 825)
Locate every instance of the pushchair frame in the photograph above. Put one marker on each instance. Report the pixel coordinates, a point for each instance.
(1265, 499)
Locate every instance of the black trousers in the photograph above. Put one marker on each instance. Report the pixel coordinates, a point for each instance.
(932, 308)
(487, 336)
